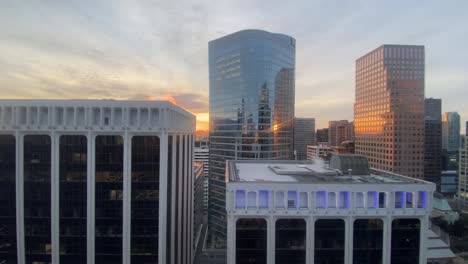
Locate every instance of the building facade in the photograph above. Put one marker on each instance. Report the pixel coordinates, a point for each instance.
(340, 131)
(304, 135)
(290, 212)
(463, 175)
(252, 80)
(451, 131)
(322, 136)
(318, 151)
(433, 140)
(89, 181)
(389, 109)
(201, 154)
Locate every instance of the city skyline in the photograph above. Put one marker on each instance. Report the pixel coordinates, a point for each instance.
(88, 50)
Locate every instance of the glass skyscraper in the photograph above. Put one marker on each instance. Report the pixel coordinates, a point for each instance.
(251, 107)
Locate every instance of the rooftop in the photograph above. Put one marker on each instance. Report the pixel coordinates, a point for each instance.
(289, 171)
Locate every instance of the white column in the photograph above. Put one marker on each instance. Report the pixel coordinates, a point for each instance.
(163, 139)
(387, 237)
(54, 201)
(310, 239)
(349, 238)
(20, 197)
(271, 239)
(231, 240)
(422, 240)
(90, 194)
(127, 194)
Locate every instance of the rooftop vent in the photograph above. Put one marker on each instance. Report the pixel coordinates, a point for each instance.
(350, 164)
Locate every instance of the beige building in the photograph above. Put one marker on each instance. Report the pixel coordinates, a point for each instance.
(389, 109)
(340, 131)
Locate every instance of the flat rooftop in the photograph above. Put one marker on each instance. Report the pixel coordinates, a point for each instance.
(289, 171)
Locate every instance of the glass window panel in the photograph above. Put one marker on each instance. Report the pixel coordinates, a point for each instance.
(290, 241)
(251, 241)
(329, 241)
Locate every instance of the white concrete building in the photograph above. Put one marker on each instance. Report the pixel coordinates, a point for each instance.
(302, 212)
(95, 181)
(317, 151)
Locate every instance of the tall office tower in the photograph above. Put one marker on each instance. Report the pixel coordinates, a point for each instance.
(251, 107)
(389, 109)
(201, 154)
(322, 136)
(340, 131)
(451, 131)
(95, 181)
(433, 140)
(304, 135)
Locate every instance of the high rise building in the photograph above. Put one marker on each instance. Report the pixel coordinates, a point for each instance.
(304, 135)
(451, 131)
(304, 212)
(95, 181)
(463, 175)
(322, 136)
(252, 77)
(389, 109)
(201, 154)
(340, 131)
(433, 140)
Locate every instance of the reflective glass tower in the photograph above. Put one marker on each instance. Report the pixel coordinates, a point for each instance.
(251, 107)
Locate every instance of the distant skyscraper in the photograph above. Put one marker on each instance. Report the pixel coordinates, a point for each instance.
(433, 140)
(304, 134)
(451, 131)
(463, 175)
(389, 109)
(322, 136)
(251, 107)
(340, 131)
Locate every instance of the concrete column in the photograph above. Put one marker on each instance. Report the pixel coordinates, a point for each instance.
(231, 240)
(310, 239)
(349, 238)
(271, 239)
(387, 237)
(20, 196)
(55, 197)
(163, 139)
(127, 194)
(422, 240)
(91, 194)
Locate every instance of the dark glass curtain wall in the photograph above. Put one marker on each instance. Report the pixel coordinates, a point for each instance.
(290, 241)
(73, 175)
(109, 195)
(251, 241)
(329, 241)
(7, 199)
(405, 241)
(145, 199)
(37, 175)
(368, 241)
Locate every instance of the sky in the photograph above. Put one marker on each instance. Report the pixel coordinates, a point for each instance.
(158, 50)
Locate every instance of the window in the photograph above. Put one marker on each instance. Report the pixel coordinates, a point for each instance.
(240, 199)
(303, 200)
(382, 200)
(422, 199)
(344, 199)
(359, 200)
(279, 200)
(399, 199)
(251, 200)
(409, 200)
(321, 199)
(372, 199)
(263, 199)
(292, 199)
